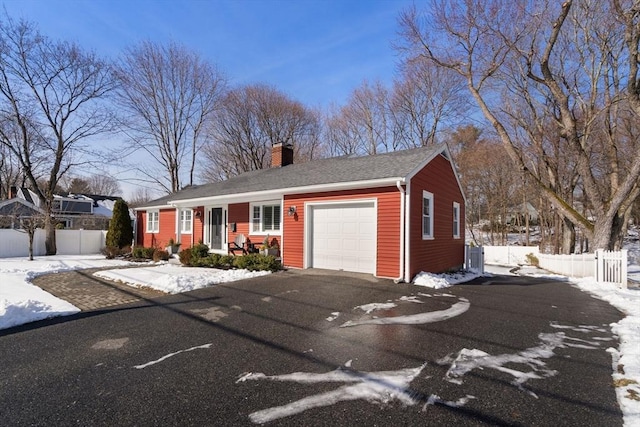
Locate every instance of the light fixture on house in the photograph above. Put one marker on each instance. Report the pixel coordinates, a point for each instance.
(198, 213)
(292, 210)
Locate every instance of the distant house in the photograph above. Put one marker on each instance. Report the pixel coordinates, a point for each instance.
(517, 214)
(12, 211)
(391, 215)
(72, 211)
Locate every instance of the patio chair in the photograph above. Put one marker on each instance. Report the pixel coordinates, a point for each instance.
(238, 244)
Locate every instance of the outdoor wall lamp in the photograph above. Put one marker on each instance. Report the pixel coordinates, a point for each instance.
(292, 210)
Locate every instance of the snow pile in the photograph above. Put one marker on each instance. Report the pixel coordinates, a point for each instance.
(439, 281)
(175, 279)
(21, 302)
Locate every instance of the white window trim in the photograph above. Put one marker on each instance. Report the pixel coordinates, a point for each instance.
(157, 222)
(456, 220)
(429, 196)
(260, 232)
(182, 221)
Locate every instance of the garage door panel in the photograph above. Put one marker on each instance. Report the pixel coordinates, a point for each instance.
(343, 237)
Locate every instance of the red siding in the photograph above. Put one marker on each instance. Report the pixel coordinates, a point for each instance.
(188, 240)
(239, 213)
(443, 252)
(167, 229)
(388, 246)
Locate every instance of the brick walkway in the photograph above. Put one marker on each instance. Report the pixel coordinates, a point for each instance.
(88, 292)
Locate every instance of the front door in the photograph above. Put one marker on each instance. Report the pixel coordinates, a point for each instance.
(216, 229)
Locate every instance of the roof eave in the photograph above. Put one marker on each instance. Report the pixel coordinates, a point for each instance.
(281, 192)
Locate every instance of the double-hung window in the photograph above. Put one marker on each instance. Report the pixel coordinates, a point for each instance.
(427, 215)
(153, 221)
(456, 220)
(265, 218)
(186, 221)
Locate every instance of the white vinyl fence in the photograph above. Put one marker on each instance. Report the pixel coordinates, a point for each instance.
(15, 243)
(611, 267)
(605, 266)
(508, 255)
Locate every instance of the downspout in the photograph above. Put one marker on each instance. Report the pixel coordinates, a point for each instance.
(402, 231)
(178, 233)
(407, 221)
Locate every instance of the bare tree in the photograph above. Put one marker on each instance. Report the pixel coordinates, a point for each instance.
(426, 99)
(545, 71)
(253, 118)
(104, 185)
(140, 197)
(50, 95)
(10, 175)
(374, 119)
(168, 94)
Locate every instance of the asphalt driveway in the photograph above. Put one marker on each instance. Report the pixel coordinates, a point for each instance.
(300, 348)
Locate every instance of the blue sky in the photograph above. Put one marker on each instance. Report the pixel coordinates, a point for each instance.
(316, 51)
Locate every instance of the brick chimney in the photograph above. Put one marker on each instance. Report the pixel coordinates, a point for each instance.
(13, 192)
(281, 155)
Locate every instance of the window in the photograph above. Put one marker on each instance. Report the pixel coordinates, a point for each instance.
(456, 220)
(153, 221)
(186, 221)
(265, 218)
(427, 215)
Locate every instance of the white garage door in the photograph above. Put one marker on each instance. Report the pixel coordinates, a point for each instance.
(343, 237)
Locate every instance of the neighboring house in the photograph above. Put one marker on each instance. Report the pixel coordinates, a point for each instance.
(73, 211)
(517, 214)
(12, 211)
(391, 215)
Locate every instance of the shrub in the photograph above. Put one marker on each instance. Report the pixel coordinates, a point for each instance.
(532, 260)
(120, 233)
(226, 261)
(257, 262)
(200, 250)
(185, 258)
(140, 252)
(160, 255)
(110, 252)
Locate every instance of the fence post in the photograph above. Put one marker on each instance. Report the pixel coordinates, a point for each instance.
(623, 266)
(466, 257)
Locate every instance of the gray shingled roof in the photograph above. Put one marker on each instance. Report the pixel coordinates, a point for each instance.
(397, 164)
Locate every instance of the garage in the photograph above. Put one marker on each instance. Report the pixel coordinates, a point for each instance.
(343, 236)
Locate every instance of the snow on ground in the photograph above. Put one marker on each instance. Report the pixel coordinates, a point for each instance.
(21, 302)
(174, 279)
(439, 281)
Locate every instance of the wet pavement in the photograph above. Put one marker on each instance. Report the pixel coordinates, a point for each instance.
(299, 348)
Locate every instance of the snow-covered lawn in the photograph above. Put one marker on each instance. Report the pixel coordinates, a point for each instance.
(21, 302)
(174, 279)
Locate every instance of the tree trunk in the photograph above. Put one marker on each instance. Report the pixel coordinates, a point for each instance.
(568, 237)
(50, 233)
(31, 232)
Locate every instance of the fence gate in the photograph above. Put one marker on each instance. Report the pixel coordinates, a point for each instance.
(611, 267)
(474, 258)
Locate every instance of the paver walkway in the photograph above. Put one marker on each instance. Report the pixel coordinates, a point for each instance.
(88, 292)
